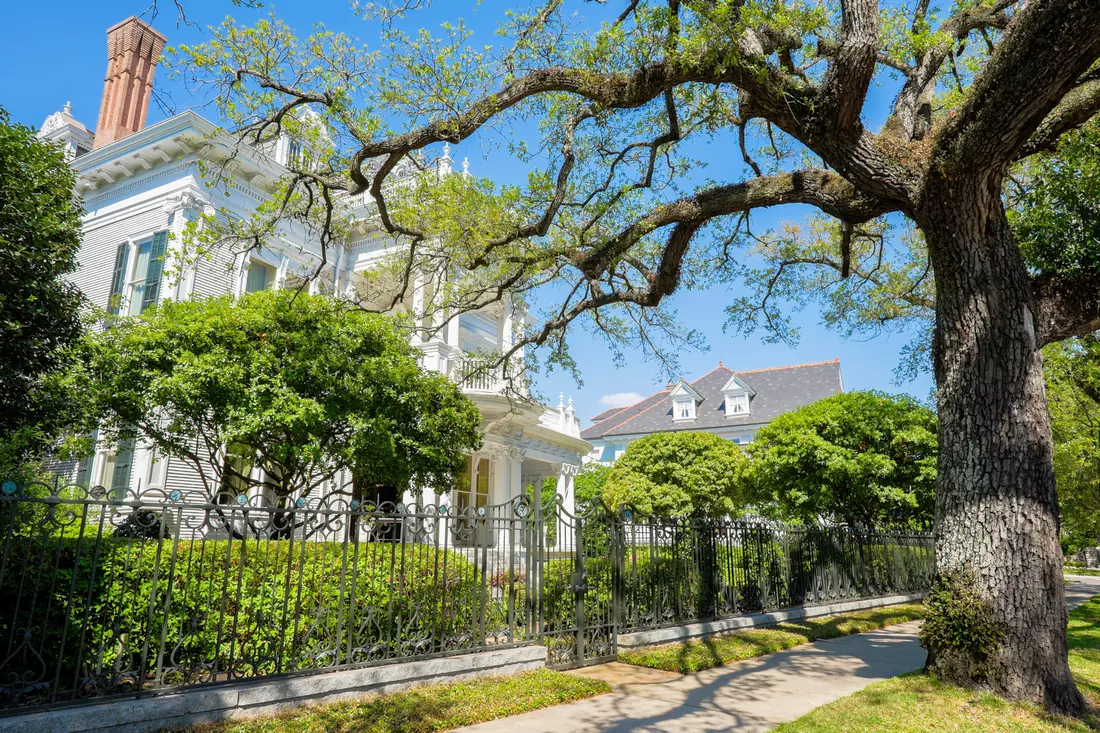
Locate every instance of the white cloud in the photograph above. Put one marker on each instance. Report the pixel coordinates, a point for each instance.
(620, 399)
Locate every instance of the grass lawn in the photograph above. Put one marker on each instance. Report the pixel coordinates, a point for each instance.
(917, 702)
(1082, 571)
(428, 708)
(692, 656)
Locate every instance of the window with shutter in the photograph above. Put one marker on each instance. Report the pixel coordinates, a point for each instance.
(260, 277)
(118, 280)
(154, 270)
(84, 468)
(121, 467)
(148, 266)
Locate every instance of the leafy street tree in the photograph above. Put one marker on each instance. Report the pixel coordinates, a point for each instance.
(297, 385)
(1073, 393)
(616, 214)
(678, 474)
(39, 310)
(863, 458)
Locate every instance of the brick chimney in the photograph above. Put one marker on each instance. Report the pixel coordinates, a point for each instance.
(133, 49)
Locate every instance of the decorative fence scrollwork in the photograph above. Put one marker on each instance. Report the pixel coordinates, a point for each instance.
(127, 594)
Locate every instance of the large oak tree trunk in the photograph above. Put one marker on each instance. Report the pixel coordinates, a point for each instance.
(996, 503)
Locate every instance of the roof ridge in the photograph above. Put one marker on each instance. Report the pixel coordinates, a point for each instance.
(639, 414)
(712, 371)
(790, 366)
(622, 409)
(615, 411)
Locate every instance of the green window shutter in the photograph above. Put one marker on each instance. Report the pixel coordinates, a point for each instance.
(84, 469)
(118, 280)
(156, 270)
(124, 463)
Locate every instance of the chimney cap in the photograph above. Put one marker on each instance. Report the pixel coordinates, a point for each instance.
(140, 22)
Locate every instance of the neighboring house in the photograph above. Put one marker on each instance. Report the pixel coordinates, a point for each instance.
(142, 185)
(733, 405)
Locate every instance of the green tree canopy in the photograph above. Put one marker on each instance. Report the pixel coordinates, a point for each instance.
(39, 309)
(864, 458)
(302, 385)
(1073, 394)
(589, 483)
(678, 474)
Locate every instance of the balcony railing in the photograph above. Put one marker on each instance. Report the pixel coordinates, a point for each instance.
(477, 380)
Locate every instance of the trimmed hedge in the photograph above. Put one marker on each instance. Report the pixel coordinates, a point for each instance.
(217, 609)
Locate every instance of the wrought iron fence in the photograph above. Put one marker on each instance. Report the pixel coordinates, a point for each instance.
(677, 571)
(104, 594)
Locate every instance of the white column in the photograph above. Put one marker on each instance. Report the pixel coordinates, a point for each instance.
(176, 256)
(428, 496)
(507, 325)
(565, 491)
(517, 474)
(280, 272)
(418, 306)
(453, 337)
(186, 208)
(338, 270)
(242, 274)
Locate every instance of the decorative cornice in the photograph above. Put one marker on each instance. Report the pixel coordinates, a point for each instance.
(187, 200)
(502, 452)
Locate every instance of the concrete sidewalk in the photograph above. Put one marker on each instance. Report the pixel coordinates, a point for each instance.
(754, 695)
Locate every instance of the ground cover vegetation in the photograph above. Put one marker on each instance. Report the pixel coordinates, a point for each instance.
(695, 655)
(428, 708)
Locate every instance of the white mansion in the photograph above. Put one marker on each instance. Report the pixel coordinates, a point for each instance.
(141, 185)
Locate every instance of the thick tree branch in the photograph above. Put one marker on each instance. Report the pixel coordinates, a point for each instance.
(1046, 49)
(911, 117)
(1068, 306)
(845, 87)
(1075, 109)
(823, 189)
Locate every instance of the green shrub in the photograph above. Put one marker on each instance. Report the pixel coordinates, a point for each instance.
(959, 631)
(216, 608)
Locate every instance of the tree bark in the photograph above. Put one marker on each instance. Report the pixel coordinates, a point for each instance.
(996, 502)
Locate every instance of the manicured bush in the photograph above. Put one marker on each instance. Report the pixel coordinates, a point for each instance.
(216, 609)
(679, 474)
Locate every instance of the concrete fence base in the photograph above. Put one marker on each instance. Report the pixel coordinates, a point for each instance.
(651, 637)
(265, 697)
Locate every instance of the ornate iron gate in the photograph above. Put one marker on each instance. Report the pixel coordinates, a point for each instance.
(578, 577)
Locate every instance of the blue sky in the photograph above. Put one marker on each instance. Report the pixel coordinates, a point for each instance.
(53, 52)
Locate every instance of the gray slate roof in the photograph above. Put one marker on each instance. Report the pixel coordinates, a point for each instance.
(778, 390)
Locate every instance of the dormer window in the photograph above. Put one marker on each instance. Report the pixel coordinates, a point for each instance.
(685, 409)
(684, 401)
(738, 397)
(737, 404)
